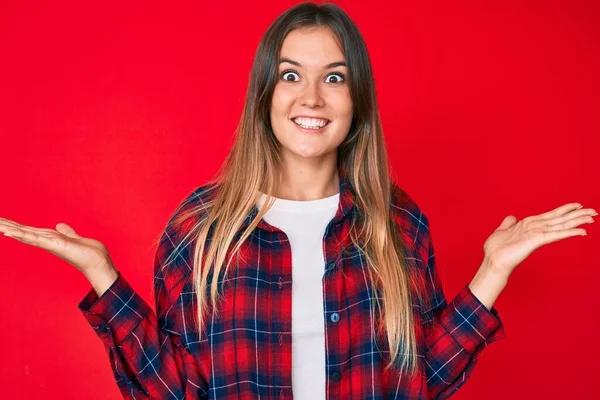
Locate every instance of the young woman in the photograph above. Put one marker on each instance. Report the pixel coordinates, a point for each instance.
(301, 269)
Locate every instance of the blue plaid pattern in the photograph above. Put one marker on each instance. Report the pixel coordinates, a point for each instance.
(246, 352)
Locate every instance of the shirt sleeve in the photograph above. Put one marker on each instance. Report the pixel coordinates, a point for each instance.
(144, 348)
(455, 333)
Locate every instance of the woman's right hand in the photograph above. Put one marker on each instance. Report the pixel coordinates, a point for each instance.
(87, 255)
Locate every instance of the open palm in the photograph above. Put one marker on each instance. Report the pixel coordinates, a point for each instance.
(83, 253)
(514, 241)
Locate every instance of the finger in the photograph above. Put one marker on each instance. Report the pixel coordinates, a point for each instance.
(42, 241)
(4, 227)
(67, 230)
(8, 222)
(568, 224)
(507, 222)
(584, 212)
(12, 230)
(568, 221)
(554, 236)
(12, 223)
(560, 211)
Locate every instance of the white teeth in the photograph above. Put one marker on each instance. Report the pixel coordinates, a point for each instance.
(310, 122)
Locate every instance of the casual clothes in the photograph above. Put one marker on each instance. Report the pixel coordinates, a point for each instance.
(246, 353)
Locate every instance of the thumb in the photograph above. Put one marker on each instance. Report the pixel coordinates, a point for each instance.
(67, 230)
(507, 222)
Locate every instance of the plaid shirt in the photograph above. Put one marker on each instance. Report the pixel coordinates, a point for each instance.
(246, 353)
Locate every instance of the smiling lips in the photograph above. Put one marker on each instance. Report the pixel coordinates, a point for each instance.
(311, 124)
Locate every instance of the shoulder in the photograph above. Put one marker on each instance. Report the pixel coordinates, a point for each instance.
(406, 211)
(173, 263)
(200, 195)
(175, 239)
(410, 219)
(414, 231)
(193, 205)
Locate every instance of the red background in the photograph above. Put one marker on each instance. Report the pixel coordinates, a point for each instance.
(111, 113)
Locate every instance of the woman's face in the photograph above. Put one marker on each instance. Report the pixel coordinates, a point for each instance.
(309, 87)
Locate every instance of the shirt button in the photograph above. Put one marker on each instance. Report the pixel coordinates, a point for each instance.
(279, 283)
(335, 317)
(336, 376)
(102, 328)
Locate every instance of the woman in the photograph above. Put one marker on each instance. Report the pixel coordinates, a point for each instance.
(333, 291)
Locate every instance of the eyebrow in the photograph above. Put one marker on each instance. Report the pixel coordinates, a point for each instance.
(328, 66)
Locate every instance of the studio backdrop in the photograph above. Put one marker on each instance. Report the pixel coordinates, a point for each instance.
(111, 112)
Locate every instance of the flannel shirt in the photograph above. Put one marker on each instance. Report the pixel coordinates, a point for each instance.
(245, 353)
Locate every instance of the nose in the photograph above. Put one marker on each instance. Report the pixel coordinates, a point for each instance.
(311, 96)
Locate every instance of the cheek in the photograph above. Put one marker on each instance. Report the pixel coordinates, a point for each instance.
(342, 102)
(275, 103)
(281, 100)
(348, 106)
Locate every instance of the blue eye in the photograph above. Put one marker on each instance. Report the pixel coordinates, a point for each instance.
(341, 76)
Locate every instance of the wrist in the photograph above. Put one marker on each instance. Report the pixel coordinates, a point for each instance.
(488, 283)
(489, 268)
(102, 278)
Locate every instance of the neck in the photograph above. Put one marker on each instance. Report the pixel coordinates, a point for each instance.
(308, 182)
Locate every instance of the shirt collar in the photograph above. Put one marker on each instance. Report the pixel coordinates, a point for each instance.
(345, 205)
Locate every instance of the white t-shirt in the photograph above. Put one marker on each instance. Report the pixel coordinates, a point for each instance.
(304, 223)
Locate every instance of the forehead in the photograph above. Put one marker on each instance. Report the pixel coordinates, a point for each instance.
(312, 47)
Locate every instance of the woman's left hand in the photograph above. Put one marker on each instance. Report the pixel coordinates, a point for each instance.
(513, 241)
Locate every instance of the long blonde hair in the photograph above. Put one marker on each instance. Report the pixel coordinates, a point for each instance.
(253, 164)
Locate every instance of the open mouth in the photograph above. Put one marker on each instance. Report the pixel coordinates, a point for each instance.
(312, 128)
